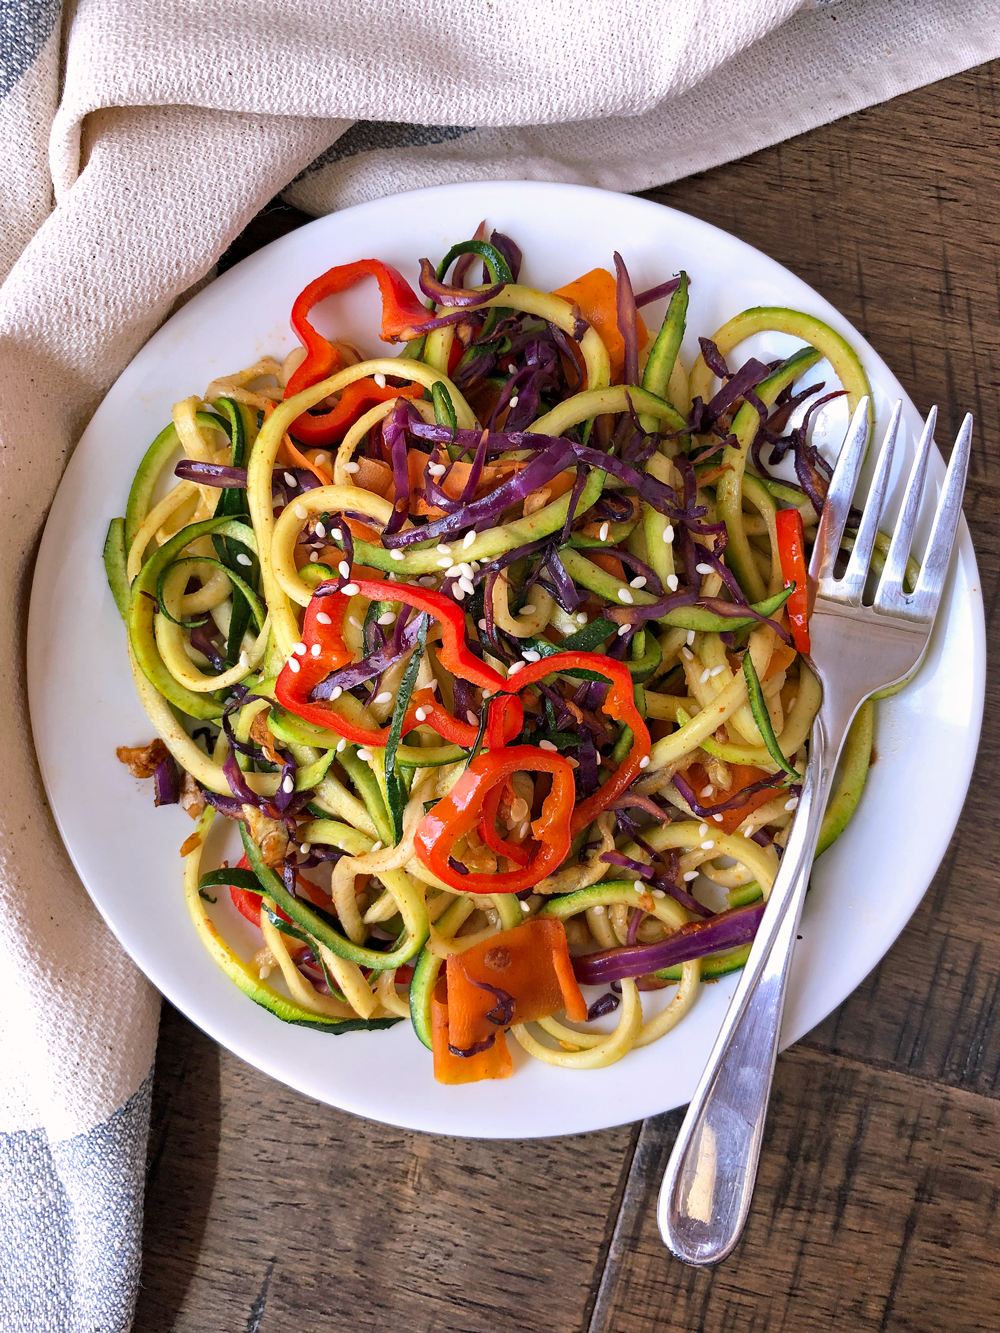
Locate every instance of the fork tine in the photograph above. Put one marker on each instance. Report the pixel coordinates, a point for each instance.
(840, 494)
(891, 583)
(852, 585)
(924, 602)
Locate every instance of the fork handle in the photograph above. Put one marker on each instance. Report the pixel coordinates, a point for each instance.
(706, 1191)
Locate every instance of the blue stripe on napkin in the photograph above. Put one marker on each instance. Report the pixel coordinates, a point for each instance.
(71, 1225)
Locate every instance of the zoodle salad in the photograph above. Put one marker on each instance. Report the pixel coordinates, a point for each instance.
(492, 650)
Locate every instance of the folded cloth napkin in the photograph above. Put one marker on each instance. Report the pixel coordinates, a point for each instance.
(176, 122)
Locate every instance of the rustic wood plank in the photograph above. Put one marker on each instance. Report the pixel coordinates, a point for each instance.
(875, 1212)
(270, 1211)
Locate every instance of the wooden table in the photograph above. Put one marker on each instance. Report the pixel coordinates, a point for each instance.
(877, 1203)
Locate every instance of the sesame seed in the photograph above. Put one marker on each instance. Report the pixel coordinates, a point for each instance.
(336, 692)
(387, 617)
(350, 590)
(290, 479)
(748, 833)
(341, 745)
(704, 569)
(687, 654)
(513, 402)
(708, 791)
(790, 805)
(352, 467)
(547, 745)
(702, 830)
(528, 609)
(471, 718)
(384, 698)
(644, 761)
(288, 784)
(320, 531)
(304, 848)
(458, 593)
(395, 555)
(319, 459)
(512, 368)
(690, 636)
(581, 617)
(717, 818)
(376, 846)
(515, 666)
(704, 676)
(475, 566)
(623, 630)
(467, 585)
(625, 596)
(366, 755)
(530, 655)
(465, 569)
(707, 846)
(345, 569)
(445, 562)
(468, 540)
(244, 660)
(668, 533)
(293, 664)
(481, 624)
(639, 582)
(316, 650)
(657, 893)
(605, 530)
(300, 511)
(379, 379)
(598, 910)
(421, 715)
(445, 550)
(689, 875)
(486, 694)
(300, 648)
(436, 469)
(524, 906)
(337, 534)
(671, 581)
(243, 559)
(715, 670)
(314, 557)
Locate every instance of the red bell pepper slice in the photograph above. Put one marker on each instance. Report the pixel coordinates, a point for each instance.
(619, 703)
(301, 674)
(792, 555)
(318, 431)
(402, 311)
(461, 810)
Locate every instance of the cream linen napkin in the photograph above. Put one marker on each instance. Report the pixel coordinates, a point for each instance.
(177, 121)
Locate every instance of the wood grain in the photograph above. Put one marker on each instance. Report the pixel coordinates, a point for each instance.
(877, 1203)
(875, 1212)
(270, 1211)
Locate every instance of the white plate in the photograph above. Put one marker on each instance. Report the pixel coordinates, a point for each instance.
(83, 702)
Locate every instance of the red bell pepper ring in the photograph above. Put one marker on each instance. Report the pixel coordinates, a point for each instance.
(619, 703)
(792, 556)
(460, 811)
(301, 674)
(402, 310)
(318, 431)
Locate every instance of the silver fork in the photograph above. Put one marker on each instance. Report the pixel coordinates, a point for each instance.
(856, 651)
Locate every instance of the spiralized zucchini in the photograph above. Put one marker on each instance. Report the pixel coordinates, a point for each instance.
(650, 537)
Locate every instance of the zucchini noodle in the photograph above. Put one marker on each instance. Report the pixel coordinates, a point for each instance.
(353, 671)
